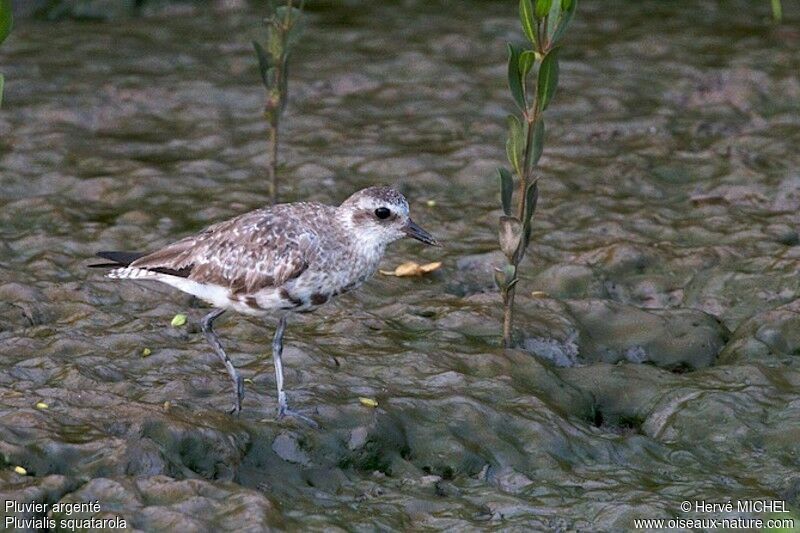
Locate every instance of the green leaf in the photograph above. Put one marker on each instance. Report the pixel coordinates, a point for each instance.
(506, 189)
(531, 197)
(505, 277)
(295, 32)
(528, 22)
(526, 60)
(282, 15)
(178, 320)
(548, 79)
(296, 25)
(552, 21)
(514, 79)
(510, 273)
(2, 83)
(264, 64)
(6, 19)
(537, 145)
(566, 17)
(542, 8)
(500, 279)
(515, 145)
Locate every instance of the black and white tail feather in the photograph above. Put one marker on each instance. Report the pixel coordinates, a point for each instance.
(121, 269)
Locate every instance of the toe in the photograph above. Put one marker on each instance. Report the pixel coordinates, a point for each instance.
(288, 413)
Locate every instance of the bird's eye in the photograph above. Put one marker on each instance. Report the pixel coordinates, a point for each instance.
(382, 212)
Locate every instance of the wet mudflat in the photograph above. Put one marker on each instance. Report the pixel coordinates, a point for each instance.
(659, 359)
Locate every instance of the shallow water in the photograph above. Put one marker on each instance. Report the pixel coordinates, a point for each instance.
(661, 366)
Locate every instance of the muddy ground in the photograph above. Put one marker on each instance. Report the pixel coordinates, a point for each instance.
(659, 310)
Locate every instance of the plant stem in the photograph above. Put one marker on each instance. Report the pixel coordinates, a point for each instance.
(777, 11)
(277, 95)
(508, 299)
(518, 229)
(526, 174)
(272, 112)
(272, 168)
(508, 316)
(288, 13)
(538, 35)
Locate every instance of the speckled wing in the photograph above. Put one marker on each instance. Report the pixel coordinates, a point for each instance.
(248, 253)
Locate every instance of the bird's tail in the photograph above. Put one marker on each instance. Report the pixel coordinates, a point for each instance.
(119, 263)
(117, 259)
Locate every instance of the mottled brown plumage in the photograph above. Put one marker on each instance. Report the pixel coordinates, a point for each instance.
(258, 250)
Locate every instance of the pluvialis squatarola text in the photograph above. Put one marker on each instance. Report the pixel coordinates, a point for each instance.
(283, 259)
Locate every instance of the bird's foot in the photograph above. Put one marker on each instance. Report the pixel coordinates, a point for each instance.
(285, 412)
(239, 396)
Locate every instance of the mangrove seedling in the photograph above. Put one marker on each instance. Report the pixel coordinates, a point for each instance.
(6, 21)
(532, 79)
(283, 30)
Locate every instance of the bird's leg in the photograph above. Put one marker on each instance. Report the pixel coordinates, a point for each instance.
(238, 385)
(277, 352)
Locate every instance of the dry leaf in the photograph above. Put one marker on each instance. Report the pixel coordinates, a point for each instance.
(411, 268)
(407, 269)
(146, 352)
(368, 402)
(540, 294)
(430, 267)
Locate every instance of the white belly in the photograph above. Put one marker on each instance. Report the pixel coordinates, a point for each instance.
(265, 301)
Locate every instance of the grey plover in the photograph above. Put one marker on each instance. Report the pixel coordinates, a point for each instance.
(288, 258)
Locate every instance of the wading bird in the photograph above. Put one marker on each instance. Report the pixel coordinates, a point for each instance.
(288, 258)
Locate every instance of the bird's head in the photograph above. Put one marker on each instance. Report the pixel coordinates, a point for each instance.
(379, 216)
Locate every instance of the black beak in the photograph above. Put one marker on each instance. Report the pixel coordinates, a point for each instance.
(414, 231)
